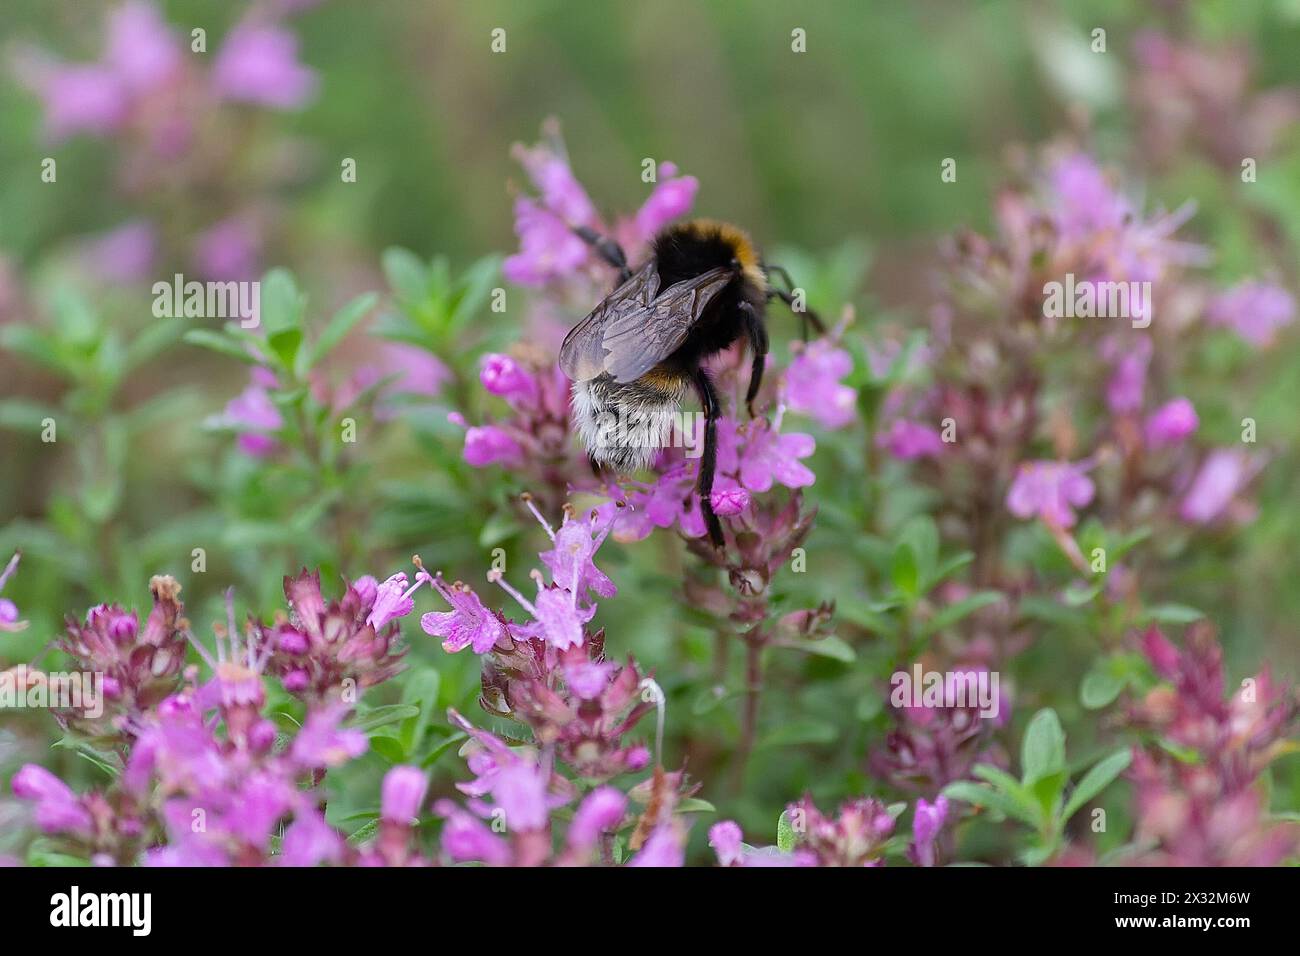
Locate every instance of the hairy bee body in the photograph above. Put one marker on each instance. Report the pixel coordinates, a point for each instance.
(649, 406)
(644, 346)
(646, 411)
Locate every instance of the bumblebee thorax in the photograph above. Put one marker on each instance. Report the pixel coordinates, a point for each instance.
(693, 247)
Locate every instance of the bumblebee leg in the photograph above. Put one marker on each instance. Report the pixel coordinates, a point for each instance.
(709, 458)
(805, 314)
(758, 345)
(607, 249)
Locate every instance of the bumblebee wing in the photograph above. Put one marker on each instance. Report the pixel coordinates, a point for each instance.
(640, 340)
(582, 356)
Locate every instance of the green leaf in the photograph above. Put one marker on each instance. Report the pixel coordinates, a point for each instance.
(1042, 752)
(383, 716)
(948, 616)
(695, 805)
(800, 732)
(338, 327)
(421, 690)
(208, 339)
(982, 795)
(406, 274)
(1100, 687)
(1014, 789)
(906, 573)
(281, 304)
(785, 835)
(1172, 614)
(285, 345)
(833, 647)
(19, 414)
(1102, 774)
(442, 747)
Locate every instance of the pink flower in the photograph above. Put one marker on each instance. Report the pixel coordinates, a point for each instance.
(588, 679)
(673, 196)
(254, 416)
(228, 250)
(1171, 423)
(813, 387)
(8, 609)
(1051, 490)
(1126, 386)
(600, 811)
(57, 808)
(1222, 475)
(321, 743)
(124, 254)
(548, 249)
(908, 440)
(926, 824)
(571, 560)
(726, 839)
(467, 624)
(664, 848)
(141, 49)
(1256, 310)
(502, 375)
(310, 841)
(403, 795)
(258, 63)
(77, 98)
(548, 167)
(418, 371)
(393, 599)
(729, 501)
(465, 838)
(560, 617)
(489, 445)
(767, 456)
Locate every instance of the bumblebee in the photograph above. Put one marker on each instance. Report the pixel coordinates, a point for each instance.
(639, 352)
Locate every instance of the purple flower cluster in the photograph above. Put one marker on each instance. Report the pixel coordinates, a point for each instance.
(1199, 796)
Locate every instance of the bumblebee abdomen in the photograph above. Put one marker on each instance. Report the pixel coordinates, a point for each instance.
(624, 424)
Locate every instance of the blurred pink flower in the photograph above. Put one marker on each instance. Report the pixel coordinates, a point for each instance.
(813, 387)
(228, 250)
(548, 249)
(673, 196)
(502, 375)
(1256, 310)
(141, 49)
(77, 98)
(908, 440)
(1050, 490)
(124, 254)
(253, 415)
(1171, 423)
(1221, 476)
(418, 371)
(1127, 384)
(258, 63)
(489, 445)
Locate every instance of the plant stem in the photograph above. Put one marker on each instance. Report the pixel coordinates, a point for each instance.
(753, 690)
